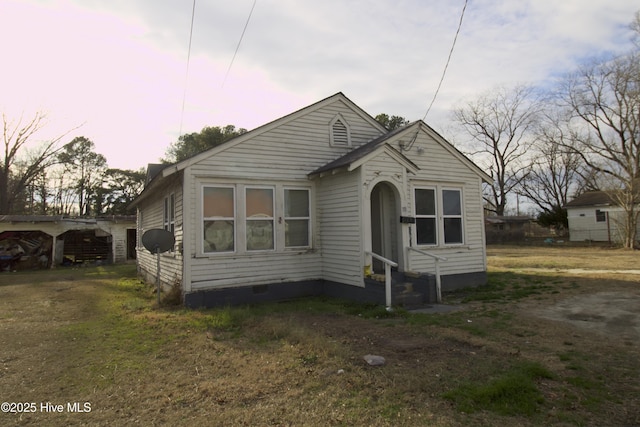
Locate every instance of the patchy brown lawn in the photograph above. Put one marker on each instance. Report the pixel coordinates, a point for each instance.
(71, 337)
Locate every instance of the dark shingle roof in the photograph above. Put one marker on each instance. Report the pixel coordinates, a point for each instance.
(591, 198)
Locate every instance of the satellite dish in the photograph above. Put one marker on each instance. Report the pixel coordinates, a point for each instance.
(158, 240)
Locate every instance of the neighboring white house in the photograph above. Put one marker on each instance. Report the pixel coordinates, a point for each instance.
(594, 216)
(297, 206)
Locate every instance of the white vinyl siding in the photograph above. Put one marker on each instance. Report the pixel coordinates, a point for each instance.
(254, 267)
(152, 216)
(288, 152)
(439, 169)
(340, 206)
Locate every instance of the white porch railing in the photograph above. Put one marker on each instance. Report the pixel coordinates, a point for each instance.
(437, 259)
(387, 276)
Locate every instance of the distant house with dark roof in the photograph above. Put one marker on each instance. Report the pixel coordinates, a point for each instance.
(594, 216)
(315, 203)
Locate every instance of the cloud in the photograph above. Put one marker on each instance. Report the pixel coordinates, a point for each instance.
(120, 66)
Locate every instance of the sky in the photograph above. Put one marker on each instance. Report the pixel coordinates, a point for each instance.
(119, 71)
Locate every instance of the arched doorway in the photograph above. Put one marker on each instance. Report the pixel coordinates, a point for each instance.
(385, 224)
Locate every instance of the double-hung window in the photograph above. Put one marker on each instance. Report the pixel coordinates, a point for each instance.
(438, 216)
(259, 218)
(426, 224)
(452, 216)
(169, 216)
(296, 218)
(218, 219)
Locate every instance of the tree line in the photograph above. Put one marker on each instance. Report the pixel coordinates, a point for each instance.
(50, 179)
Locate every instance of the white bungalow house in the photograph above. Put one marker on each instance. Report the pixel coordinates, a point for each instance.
(595, 216)
(316, 203)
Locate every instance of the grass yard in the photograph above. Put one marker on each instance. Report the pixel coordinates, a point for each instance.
(539, 345)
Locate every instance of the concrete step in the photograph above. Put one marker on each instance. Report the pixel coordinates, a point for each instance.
(409, 300)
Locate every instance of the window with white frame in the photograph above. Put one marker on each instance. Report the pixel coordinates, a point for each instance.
(425, 203)
(169, 216)
(432, 204)
(259, 207)
(218, 219)
(452, 216)
(244, 218)
(296, 217)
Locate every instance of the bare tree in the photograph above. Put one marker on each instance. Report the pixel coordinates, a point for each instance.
(554, 173)
(635, 26)
(500, 123)
(19, 166)
(604, 99)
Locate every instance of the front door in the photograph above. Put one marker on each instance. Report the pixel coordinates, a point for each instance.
(384, 224)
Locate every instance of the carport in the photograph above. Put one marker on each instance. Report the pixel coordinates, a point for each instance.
(29, 239)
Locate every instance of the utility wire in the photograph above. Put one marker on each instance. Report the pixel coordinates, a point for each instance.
(239, 42)
(444, 72)
(186, 76)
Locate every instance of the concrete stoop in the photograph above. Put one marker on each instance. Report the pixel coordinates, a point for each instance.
(409, 290)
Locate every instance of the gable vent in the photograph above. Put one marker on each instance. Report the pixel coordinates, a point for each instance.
(340, 134)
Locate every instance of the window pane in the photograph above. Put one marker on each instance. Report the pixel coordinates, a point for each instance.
(425, 202)
(218, 236)
(217, 202)
(259, 235)
(259, 203)
(296, 203)
(451, 202)
(453, 230)
(296, 232)
(426, 231)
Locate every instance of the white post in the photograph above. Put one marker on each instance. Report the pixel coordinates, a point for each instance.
(387, 284)
(438, 283)
(158, 277)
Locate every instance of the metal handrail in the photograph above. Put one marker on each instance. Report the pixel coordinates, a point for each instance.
(437, 259)
(387, 275)
(383, 259)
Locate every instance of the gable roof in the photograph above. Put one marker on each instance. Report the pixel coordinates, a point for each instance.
(269, 126)
(591, 198)
(157, 172)
(354, 158)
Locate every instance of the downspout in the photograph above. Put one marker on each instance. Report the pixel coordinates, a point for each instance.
(606, 213)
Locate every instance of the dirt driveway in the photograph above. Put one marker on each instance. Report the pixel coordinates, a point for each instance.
(608, 305)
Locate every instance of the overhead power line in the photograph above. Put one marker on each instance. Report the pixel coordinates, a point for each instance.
(239, 42)
(444, 72)
(186, 76)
